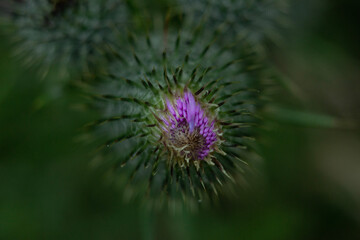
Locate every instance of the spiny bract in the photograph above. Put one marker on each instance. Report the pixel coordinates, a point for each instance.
(65, 34)
(178, 115)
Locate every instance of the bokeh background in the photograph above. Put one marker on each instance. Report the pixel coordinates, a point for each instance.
(308, 185)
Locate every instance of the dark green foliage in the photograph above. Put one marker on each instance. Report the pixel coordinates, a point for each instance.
(54, 185)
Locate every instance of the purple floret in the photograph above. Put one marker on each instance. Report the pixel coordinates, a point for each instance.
(186, 110)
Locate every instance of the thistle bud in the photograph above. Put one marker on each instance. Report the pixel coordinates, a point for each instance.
(65, 35)
(252, 20)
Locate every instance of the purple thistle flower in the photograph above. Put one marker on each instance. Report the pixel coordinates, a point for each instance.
(187, 129)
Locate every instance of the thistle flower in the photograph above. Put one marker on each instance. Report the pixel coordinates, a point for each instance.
(65, 35)
(178, 115)
(187, 131)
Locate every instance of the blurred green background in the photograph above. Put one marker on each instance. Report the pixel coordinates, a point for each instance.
(308, 186)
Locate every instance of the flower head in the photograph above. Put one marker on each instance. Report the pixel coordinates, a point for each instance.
(178, 123)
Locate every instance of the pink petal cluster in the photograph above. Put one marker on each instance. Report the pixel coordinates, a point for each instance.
(186, 110)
